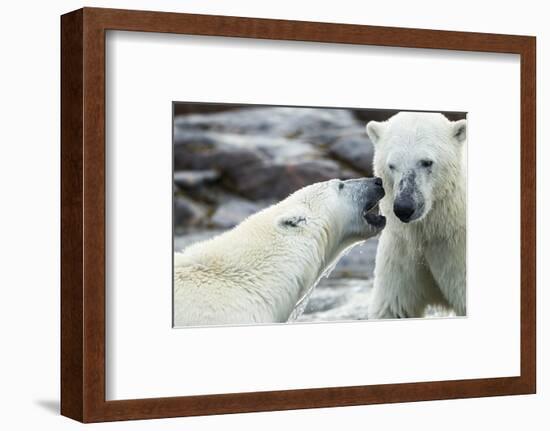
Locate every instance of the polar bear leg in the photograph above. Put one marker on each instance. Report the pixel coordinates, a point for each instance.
(403, 284)
(448, 266)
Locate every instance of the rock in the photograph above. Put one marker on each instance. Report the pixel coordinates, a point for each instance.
(324, 138)
(356, 150)
(270, 121)
(256, 167)
(194, 179)
(188, 213)
(268, 153)
(202, 151)
(277, 181)
(227, 151)
(233, 212)
(455, 116)
(366, 115)
(183, 108)
(211, 194)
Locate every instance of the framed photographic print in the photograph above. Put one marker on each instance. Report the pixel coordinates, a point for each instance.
(267, 215)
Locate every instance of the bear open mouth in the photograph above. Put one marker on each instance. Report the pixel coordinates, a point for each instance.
(373, 217)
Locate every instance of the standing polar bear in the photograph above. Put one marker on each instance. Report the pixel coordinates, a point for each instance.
(421, 257)
(262, 270)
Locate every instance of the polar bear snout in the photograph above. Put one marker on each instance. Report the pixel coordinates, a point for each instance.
(373, 192)
(404, 208)
(408, 204)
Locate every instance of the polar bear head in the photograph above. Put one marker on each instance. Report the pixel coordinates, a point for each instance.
(419, 156)
(336, 213)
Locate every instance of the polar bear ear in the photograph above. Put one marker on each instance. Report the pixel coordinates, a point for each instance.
(459, 130)
(375, 130)
(291, 221)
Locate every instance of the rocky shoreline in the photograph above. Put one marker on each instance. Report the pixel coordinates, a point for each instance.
(230, 164)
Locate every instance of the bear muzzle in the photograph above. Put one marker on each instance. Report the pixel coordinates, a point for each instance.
(404, 208)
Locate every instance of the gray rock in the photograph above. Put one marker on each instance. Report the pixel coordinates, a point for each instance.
(324, 138)
(201, 152)
(227, 151)
(188, 213)
(366, 115)
(211, 194)
(277, 181)
(268, 153)
(356, 150)
(270, 121)
(194, 179)
(204, 141)
(233, 212)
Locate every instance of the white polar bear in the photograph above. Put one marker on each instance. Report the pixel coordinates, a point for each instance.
(421, 257)
(260, 271)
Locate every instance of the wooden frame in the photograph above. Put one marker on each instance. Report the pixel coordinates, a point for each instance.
(83, 214)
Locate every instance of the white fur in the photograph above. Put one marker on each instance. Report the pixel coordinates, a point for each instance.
(260, 270)
(422, 262)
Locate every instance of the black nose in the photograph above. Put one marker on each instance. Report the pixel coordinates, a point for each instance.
(378, 181)
(404, 209)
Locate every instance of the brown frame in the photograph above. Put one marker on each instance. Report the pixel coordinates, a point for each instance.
(83, 214)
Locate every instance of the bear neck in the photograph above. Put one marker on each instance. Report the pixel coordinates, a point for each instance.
(276, 271)
(270, 267)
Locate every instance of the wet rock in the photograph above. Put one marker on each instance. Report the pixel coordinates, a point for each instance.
(324, 138)
(226, 151)
(212, 195)
(366, 115)
(268, 153)
(356, 150)
(277, 181)
(194, 108)
(194, 179)
(188, 213)
(233, 212)
(203, 152)
(269, 121)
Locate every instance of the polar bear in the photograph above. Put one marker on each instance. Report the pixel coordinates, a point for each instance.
(421, 257)
(261, 270)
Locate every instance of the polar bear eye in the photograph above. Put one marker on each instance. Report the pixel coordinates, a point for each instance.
(426, 163)
(340, 185)
(391, 166)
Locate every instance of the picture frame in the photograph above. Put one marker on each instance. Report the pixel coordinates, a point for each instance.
(83, 209)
